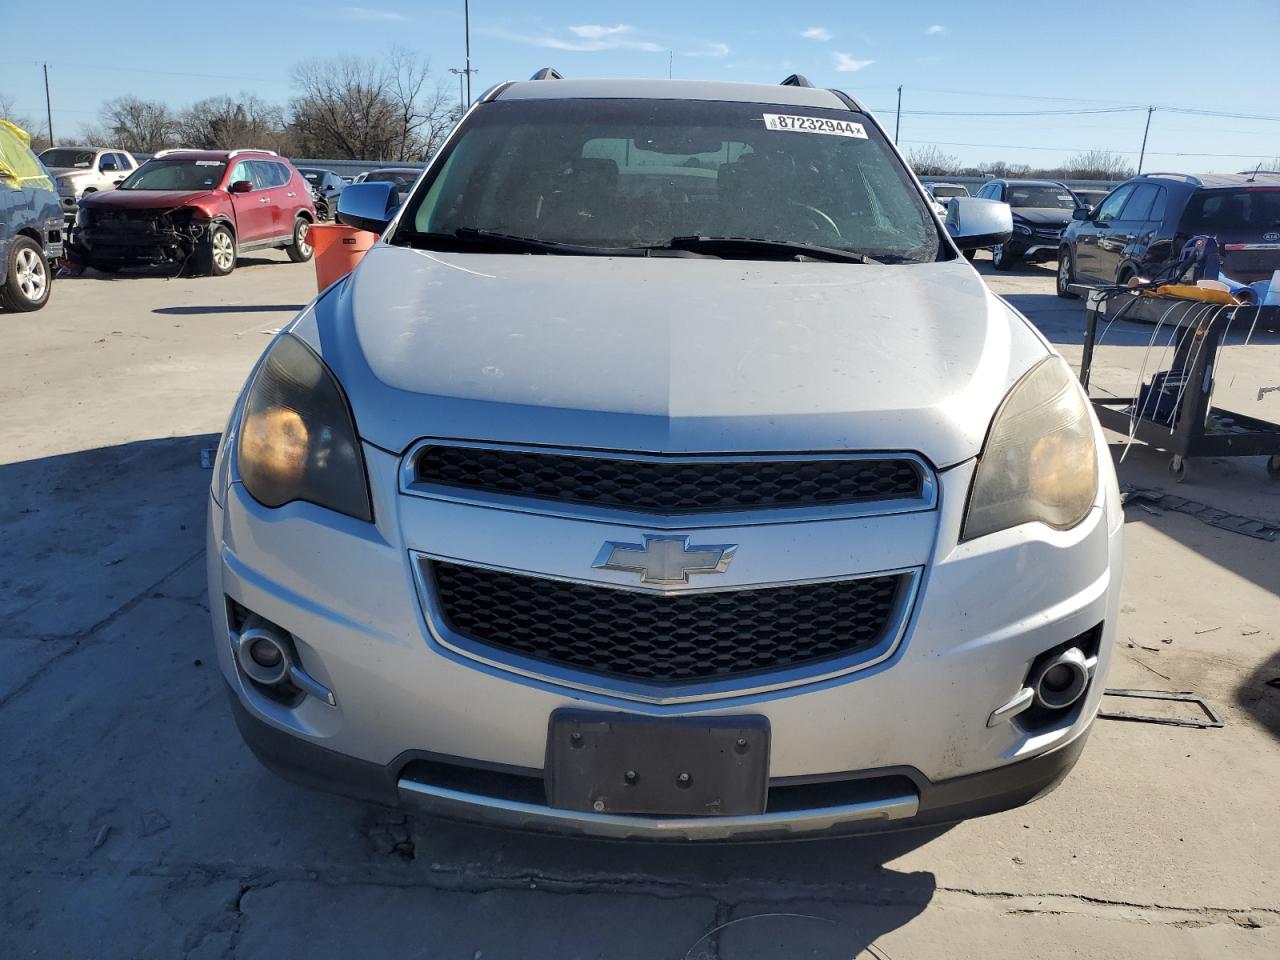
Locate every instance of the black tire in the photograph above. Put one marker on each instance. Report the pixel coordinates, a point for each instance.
(322, 211)
(218, 253)
(300, 250)
(1002, 260)
(27, 279)
(1066, 275)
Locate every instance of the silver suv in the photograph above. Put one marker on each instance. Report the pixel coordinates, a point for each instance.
(665, 471)
(83, 170)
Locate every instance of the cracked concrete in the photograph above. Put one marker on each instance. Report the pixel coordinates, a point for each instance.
(136, 825)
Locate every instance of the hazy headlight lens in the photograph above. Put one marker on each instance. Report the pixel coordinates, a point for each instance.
(1040, 462)
(297, 440)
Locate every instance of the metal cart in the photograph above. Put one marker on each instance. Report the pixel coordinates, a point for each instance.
(1174, 411)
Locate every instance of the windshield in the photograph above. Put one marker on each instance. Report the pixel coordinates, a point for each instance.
(312, 176)
(68, 157)
(1043, 197)
(943, 191)
(638, 173)
(175, 175)
(1252, 209)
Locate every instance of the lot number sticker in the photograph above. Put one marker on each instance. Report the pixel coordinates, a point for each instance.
(838, 128)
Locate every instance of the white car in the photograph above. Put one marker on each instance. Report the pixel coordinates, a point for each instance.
(82, 170)
(665, 472)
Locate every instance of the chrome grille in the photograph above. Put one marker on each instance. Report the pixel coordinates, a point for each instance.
(671, 485)
(656, 638)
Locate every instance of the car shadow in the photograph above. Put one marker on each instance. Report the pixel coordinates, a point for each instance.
(160, 271)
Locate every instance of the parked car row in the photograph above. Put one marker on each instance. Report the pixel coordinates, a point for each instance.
(30, 224)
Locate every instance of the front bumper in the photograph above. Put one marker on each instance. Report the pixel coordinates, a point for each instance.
(863, 802)
(1035, 248)
(886, 737)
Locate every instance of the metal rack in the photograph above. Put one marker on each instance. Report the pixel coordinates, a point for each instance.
(1190, 425)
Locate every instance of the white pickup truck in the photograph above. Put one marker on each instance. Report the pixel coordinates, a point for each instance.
(81, 170)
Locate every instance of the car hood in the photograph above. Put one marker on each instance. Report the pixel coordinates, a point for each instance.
(670, 354)
(144, 199)
(1043, 216)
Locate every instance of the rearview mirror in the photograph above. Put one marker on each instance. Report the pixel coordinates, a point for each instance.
(241, 186)
(975, 223)
(368, 206)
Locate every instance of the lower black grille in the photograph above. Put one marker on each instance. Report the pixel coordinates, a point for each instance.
(671, 486)
(659, 639)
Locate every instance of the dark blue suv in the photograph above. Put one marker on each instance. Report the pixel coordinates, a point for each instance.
(1140, 228)
(30, 224)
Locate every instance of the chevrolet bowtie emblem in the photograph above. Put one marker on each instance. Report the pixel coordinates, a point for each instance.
(665, 559)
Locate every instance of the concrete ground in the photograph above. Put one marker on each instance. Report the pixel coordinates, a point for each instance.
(135, 824)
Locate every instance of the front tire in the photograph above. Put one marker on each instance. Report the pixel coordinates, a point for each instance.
(1001, 259)
(27, 281)
(300, 250)
(219, 254)
(1066, 275)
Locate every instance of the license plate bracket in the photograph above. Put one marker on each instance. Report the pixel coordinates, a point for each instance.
(622, 763)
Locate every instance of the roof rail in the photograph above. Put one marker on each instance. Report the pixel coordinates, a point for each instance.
(240, 150)
(1190, 178)
(165, 152)
(796, 80)
(548, 73)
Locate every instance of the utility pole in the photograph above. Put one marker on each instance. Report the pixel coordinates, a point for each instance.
(1143, 154)
(460, 92)
(897, 124)
(670, 58)
(466, 22)
(48, 104)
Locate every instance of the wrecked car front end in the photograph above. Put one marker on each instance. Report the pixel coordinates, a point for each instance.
(129, 237)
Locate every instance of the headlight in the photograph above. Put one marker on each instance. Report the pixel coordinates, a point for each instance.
(297, 439)
(1039, 461)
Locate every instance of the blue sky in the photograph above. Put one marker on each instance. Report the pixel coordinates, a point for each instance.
(949, 57)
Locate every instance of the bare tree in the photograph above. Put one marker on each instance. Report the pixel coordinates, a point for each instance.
(929, 161)
(346, 109)
(1097, 165)
(133, 124)
(370, 109)
(223, 123)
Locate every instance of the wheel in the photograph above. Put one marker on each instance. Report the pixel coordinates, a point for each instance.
(1273, 467)
(1066, 275)
(219, 253)
(1178, 468)
(970, 254)
(300, 250)
(26, 285)
(1001, 259)
(322, 211)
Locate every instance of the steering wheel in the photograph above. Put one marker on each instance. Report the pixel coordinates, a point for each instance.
(819, 219)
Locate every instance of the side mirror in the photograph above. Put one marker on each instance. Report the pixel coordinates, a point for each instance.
(1081, 213)
(975, 223)
(117, 181)
(241, 186)
(368, 206)
(107, 166)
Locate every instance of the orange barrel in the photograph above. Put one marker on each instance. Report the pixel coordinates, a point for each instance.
(338, 248)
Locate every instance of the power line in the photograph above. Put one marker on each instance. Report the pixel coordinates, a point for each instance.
(160, 73)
(1019, 146)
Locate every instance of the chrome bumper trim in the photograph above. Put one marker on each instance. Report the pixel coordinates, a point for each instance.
(469, 806)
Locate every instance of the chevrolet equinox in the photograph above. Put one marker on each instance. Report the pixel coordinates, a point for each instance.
(665, 471)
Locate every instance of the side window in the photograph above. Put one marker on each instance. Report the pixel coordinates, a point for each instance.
(106, 159)
(1139, 205)
(241, 172)
(263, 175)
(1158, 205)
(124, 161)
(1111, 207)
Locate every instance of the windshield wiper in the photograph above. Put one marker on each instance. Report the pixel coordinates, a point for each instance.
(762, 248)
(489, 241)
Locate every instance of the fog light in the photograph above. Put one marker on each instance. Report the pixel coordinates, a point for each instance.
(1062, 680)
(265, 654)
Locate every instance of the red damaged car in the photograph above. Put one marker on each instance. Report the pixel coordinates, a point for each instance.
(199, 208)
